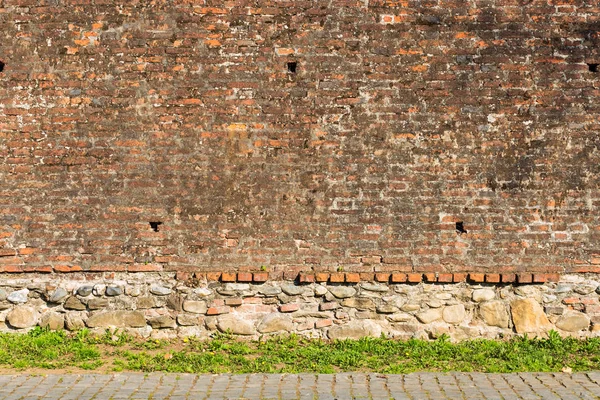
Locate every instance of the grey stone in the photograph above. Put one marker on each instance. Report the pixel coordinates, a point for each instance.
(235, 325)
(360, 303)
(354, 330)
(22, 317)
(342, 292)
(585, 288)
(555, 310)
(236, 287)
(162, 322)
(73, 303)
(99, 289)
(3, 294)
(549, 298)
(320, 290)
(160, 290)
(563, 288)
(276, 322)
(145, 302)
(435, 303)
(85, 291)
(292, 290)
(480, 295)
(410, 307)
(97, 304)
(529, 291)
(202, 292)
(399, 317)
(528, 316)
(268, 290)
(133, 291)
(18, 296)
(573, 321)
(175, 302)
(188, 320)
(387, 309)
(53, 321)
(196, 307)
(454, 314)
(373, 287)
(494, 313)
(74, 322)
(114, 291)
(58, 296)
(431, 315)
(118, 319)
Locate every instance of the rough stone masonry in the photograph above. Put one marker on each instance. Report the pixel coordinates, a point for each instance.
(164, 156)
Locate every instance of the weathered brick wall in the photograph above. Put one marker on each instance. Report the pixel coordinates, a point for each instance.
(402, 119)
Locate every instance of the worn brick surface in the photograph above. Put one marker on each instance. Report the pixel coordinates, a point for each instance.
(432, 136)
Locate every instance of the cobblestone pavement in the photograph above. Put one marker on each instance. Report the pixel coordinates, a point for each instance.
(302, 386)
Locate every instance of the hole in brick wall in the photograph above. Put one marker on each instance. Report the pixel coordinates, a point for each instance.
(593, 67)
(292, 67)
(2, 66)
(460, 227)
(154, 225)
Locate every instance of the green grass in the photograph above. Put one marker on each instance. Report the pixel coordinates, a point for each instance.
(292, 354)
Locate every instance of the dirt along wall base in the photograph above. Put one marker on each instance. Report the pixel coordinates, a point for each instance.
(163, 305)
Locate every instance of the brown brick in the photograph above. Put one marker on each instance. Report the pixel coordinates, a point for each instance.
(322, 276)
(217, 310)
(182, 275)
(444, 277)
(430, 277)
(414, 277)
(67, 268)
(352, 277)
(322, 323)
(508, 278)
(291, 307)
(306, 278)
(492, 278)
(244, 277)
(228, 277)
(476, 277)
(524, 278)
(459, 277)
(260, 276)
(212, 276)
(383, 277)
(337, 277)
(399, 278)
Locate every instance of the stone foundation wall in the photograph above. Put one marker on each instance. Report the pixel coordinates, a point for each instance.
(158, 305)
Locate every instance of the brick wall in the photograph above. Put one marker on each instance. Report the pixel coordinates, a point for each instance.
(436, 137)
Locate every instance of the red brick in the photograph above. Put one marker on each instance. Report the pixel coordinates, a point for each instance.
(399, 277)
(476, 277)
(352, 277)
(228, 277)
(367, 276)
(459, 277)
(492, 278)
(524, 278)
(244, 277)
(508, 278)
(306, 278)
(430, 277)
(212, 276)
(444, 277)
(541, 278)
(413, 277)
(260, 276)
(182, 275)
(337, 277)
(289, 307)
(144, 268)
(322, 323)
(321, 276)
(67, 268)
(217, 310)
(383, 277)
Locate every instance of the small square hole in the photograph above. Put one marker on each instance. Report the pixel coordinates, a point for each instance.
(291, 66)
(1, 66)
(593, 67)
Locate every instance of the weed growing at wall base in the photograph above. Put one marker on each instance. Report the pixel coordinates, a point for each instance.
(43, 349)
